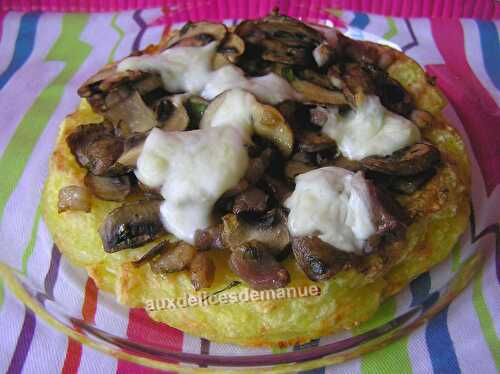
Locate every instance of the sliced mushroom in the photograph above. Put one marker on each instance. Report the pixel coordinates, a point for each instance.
(318, 79)
(346, 163)
(265, 120)
(320, 260)
(389, 218)
(73, 198)
(257, 166)
(256, 266)
(202, 270)
(232, 47)
(148, 84)
(109, 188)
(106, 79)
(250, 202)
(152, 253)
(271, 125)
(209, 238)
(197, 34)
(274, 236)
(178, 256)
(277, 188)
(410, 184)
(411, 160)
(356, 79)
(361, 52)
(95, 147)
(323, 54)
(126, 106)
(392, 94)
(290, 30)
(310, 141)
(280, 39)
(315, 94)
(276, 51)
(171, 117)
(131, 225)
(128, 159)
(294, 168)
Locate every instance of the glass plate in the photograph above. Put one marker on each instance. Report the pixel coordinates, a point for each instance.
(446, 285)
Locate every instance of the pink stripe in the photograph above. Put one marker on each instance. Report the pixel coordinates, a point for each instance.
(481, 9)
(472, 102)
(142, 329)
(2, 17)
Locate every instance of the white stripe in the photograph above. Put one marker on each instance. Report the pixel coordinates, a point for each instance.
(22, 204)
(127, 24)
(94, 361)
(47, 351)
(10, 29)
(152, 35)
(418, 352)
(475, 58)
(69, 290)
(470, 347)
(191, 344)
(39, 262)
(22, 85)
(426, 52)
(47, 342)
(403, 36)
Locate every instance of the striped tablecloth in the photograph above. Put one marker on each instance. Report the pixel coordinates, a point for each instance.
(44, 57)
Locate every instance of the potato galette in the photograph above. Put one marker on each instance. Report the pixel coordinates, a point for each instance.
(273, 155)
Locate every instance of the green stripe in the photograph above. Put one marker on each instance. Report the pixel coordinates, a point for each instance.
(72, 51)
(393, 30)
(485, 320)
(31, 245)
(455, 257)
(121, 35)
(393, 358)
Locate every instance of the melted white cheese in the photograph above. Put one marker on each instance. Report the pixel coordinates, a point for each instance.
(370, 130)
(189, 69)
(332, 203)
(233, 108)
(183, 69)
(192, 169)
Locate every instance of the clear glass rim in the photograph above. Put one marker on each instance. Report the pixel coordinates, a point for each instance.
(328, 354)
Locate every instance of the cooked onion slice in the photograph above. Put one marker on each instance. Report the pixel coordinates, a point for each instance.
(109, 188)
(177, 257)
(202, 271)
(73, 198)
(257, 267)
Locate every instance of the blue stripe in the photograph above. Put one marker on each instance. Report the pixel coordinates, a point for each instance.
(491, 50)
(441, 352)
(24, 45)
(420, 288)
(360, 20)
(437, 336)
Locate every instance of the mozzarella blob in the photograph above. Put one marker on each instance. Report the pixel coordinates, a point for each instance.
(189, 69)
(370, 130)
(332, 203)
(192, 169)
